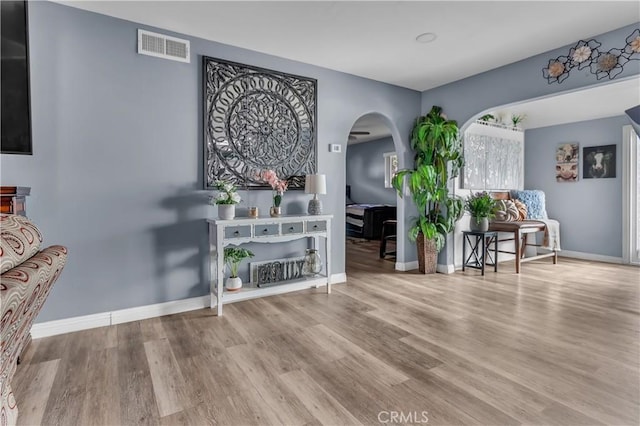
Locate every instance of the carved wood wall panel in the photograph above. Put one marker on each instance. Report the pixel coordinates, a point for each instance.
(257, 119)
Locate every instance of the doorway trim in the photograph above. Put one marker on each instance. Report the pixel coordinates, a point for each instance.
(630, 249)
(401, 233)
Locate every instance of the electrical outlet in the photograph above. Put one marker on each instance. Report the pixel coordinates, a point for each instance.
(335, 147)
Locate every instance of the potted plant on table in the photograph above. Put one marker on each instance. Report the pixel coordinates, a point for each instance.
(226, 200)
(482, 208)
(232, 257)
(438, 159)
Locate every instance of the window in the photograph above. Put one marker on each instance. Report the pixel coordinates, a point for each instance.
(494, 157)
(390, 168)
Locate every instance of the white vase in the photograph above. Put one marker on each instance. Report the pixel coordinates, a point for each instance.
(481, 225)
(233, 283)
(226, 211)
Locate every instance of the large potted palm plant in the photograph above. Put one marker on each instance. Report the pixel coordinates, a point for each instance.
(438, 159)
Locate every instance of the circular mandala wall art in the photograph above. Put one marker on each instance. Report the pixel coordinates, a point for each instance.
(257, 119)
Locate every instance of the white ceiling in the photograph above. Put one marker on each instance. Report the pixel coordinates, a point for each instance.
(376, 40)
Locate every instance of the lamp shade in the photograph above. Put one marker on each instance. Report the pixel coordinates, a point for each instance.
(315, 184)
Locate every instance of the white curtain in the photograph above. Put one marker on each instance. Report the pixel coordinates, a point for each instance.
(494, 157)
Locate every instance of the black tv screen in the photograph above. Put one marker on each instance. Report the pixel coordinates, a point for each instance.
(14, 73)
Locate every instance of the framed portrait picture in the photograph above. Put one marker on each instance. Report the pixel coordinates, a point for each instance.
(599, 162)
(567, 162)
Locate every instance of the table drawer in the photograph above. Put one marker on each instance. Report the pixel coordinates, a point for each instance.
(292, 228)
(237, 231)
(317, 226)
(266, 230)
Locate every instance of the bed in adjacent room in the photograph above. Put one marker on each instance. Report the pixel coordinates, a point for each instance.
(365, 220)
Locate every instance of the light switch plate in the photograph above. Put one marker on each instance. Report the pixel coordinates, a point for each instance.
(335, 147)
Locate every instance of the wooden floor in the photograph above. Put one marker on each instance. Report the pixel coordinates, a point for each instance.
(555, 345)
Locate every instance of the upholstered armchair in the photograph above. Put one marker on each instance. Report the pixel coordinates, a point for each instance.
(27, 277)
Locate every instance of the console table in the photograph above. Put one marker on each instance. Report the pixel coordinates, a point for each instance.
(265, 230)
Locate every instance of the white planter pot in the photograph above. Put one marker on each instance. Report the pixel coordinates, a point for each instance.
(233, 283)
(481, 225)
(226, 211)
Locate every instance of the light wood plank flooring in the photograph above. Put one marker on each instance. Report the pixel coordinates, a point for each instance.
(555, 345)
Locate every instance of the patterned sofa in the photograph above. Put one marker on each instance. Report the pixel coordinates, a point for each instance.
(27, 276)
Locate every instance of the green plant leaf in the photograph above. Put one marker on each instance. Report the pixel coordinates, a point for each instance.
(437, 160)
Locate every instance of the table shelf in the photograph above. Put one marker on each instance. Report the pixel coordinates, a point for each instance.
(251, 291)
(223, 233)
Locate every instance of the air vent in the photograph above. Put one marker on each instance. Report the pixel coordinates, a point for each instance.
(163, 46)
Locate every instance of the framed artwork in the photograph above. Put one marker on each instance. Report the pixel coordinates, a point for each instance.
(14, 90)
(257, 119)
(599, 162)
(567, 162)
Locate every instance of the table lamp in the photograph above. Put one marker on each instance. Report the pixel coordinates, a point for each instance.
(315, 184)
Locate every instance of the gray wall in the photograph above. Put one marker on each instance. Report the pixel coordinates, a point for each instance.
(365, 172)
(467, 99)
(117, 166)
(588, 210)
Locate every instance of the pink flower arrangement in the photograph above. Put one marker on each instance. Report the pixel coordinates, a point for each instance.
(278, 185)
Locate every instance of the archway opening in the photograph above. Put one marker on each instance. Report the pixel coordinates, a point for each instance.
(588, 118)
(373, 233)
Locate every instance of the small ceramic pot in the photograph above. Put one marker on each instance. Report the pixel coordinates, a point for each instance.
(233, 283)
(481, 225)
(226, 211)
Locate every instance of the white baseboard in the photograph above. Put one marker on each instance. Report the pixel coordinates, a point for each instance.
(589, 256)
(410, 266)
(86, 322)
(407, 266)
(159, 309)
(445, 269)
(69, 325)
(103, 319)
(338, 278)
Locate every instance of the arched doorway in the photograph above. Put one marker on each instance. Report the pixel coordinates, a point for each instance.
(588, 117)
(373, 231)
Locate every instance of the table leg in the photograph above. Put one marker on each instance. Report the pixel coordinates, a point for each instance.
(495, 253)
(220, 269)
(516, 237)
(484, 254)
(464, 251)
(327, 241)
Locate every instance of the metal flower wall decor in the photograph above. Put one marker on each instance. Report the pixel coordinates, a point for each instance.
(257, 119)
(587, 54)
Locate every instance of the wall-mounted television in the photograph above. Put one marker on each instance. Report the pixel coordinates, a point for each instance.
(14, 73)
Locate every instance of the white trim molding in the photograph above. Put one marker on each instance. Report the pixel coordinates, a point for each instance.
(410, 266)
(338, 278)
(159, 310)
(406, 266)
(589, 256)
(69, 325)
(445, 269)
(104, 319)
(630, 249)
